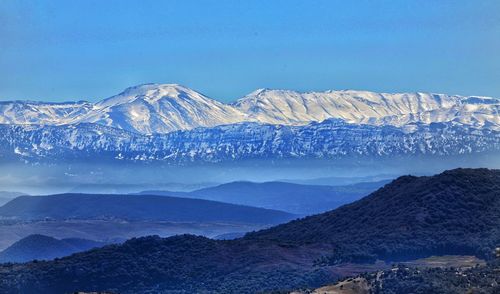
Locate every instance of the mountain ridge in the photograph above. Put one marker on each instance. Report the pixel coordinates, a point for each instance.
(455, 212)
(41, 247)
(291, 197)
(172, 123)
(330, 139)
(163, 108)
(146, 208)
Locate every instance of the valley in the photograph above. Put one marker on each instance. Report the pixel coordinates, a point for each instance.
(453, 215)
(119, 217)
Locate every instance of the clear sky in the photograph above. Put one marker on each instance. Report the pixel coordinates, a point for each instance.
(73, 50)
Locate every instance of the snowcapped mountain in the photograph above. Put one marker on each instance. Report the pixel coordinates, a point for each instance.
(170, 122)
(332, 138)
(164, 108)
(153, 108)
(32, 112)
(145, 109)
(294, 108)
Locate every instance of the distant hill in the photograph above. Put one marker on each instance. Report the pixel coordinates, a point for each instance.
(341, 181)
(98, 188)
(6, 196)
(455, 212)
(290, 197)
(42, 247)
(158, 208)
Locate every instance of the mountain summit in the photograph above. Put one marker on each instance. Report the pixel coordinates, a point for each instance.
(170, 122)
(163, 108)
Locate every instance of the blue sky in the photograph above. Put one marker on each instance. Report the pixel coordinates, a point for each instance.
(72, 50)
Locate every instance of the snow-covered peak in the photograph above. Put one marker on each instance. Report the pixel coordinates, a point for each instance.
(153, 93)
(291, 107)
(163, 108)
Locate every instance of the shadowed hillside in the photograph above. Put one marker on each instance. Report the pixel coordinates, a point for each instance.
(90, 206)
(456, 212)
(294, 198)
(42, 247)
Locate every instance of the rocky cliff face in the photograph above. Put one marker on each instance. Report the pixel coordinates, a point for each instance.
(329, 139)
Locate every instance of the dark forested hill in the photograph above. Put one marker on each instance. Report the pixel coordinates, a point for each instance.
(159, 208)
(294, 198)
(42, 247)
(456, 212)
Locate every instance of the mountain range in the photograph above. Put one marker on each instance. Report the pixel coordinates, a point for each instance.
(329, 139)
(290, 197)
(452, 213)
(163, 108)
(169, 122)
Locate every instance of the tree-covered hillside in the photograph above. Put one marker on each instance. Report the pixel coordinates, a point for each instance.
(456, 212)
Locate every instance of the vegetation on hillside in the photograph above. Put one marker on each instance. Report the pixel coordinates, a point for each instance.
(455, 212)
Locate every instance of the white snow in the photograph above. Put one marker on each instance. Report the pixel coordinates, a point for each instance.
(163, 108)
(294, 108)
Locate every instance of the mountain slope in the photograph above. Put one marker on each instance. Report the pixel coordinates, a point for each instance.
(402, 278)
(6, 196)
(330, 139)
(480, 279)
(144, 109)
(170, 122)
(44, 113)
(456, 212)
(292, 108)
(42, 247)
(294, 198)
(154, 108)
(160, 208)
(163, 108)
